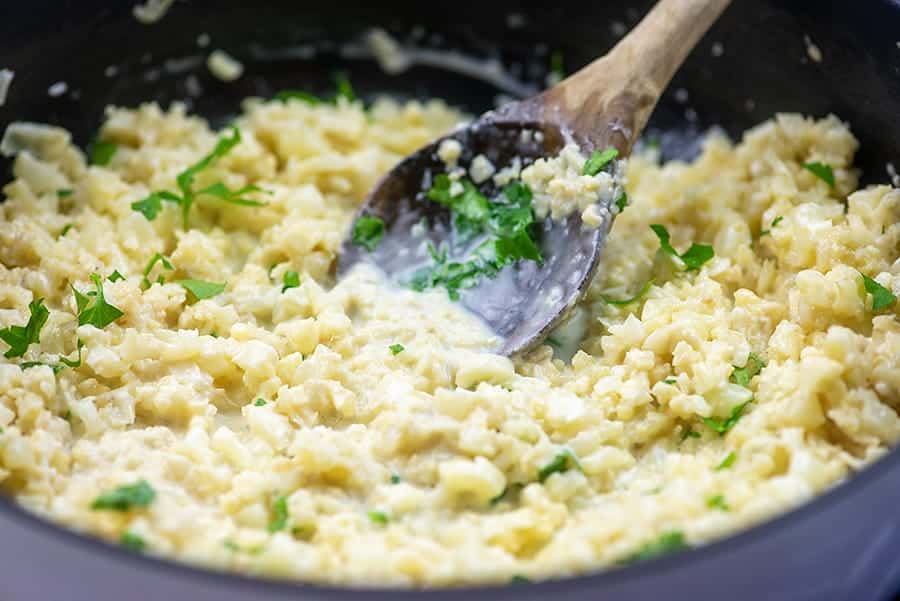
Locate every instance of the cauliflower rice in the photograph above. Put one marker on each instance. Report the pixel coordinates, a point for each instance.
(283, 436)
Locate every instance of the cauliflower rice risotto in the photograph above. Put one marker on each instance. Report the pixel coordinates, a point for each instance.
(229, 404)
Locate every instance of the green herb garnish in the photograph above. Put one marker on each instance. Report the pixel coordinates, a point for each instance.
(395, 479)
(727, 462)
(775, 222)
(157, 258)
(670, 381)
(378, 517)
(693, 258)
(822, 171)
(367, 232)
(132, 542)
(723, 426)
(115, 276)
(556, 64)
(519, 579)
(124, 498)
(19, 338)
(65, 192)
(598, 160)
(93, 308)
(622, 201)
(621, 303)
(742, 375)
(259, 402)
(882, 298)
(396, 349)
(665, 544)
(200, 290)
(690, 433)
(152, 205)
(279, 514)
(291, 279)
(102, 152)
(77, 362)
(286, 95)
(563, 462)
(66, 229)
(344, 88)
(29, 364)
(718, 502)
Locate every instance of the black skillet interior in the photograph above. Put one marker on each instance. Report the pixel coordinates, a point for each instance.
(764, 65)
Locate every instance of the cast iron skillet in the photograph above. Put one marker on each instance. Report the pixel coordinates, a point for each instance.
(842, 546)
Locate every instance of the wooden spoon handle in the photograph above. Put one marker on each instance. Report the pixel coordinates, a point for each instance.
(608, 102)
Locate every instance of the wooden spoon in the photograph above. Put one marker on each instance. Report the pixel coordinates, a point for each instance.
(606, 104)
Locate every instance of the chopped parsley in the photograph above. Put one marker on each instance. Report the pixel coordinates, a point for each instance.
(124, 498)
(259, 402)
(556, 64)
(622, 201)
(395, 479)
(19, 338)
(724, 425)
(729, 460)
(509, 226)
(29, 364)
(368, 232)
(690, 433)
(742, 375)
(344, 88)
(598, 160)
(200, 290)
(670, 381)
(563, 462)
(157, 258)
(93, 308)
(65, 192)
(519, 579)
(132, 542)
(152, 204)
(775, 222)
(882, 298)
(665, 544)
(279, 514)
(624, 302)
(718, 502)
(103, 152)
(396, 349)
(822, 171)
(115, 276)
(291, 279)
(693, 258)
(378, 517)
(77, 362)
(66, 228)
(299, 95)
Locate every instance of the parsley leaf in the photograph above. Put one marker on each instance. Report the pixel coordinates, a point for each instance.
(621, 303)
(396, 349)
(718, 502)
(152, 205)
(65, 192)
(93, 308)
(132, 542)
(29, 364)
(102, 152)
(157, 258)
(66, 228)
(76, 363)
(670, 381)
(259, 402)
(724, 425)
(139, 494)
(201, 290)
(598, 160)
(291, 280)
(693, 258)
(519, 579)
(19, 338)
(115, 276)
(622, 201)
(563, 461)
(690, 433)
(344, 88)
(299, 95)
(378, 517)
(882, 298)
(667, 543)
(822, 171)
(556, 64)
(395, 479)
(279, 514)
(742, 375)
(729, 460)
(469, 203)
(777, 220)
(367, 232)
